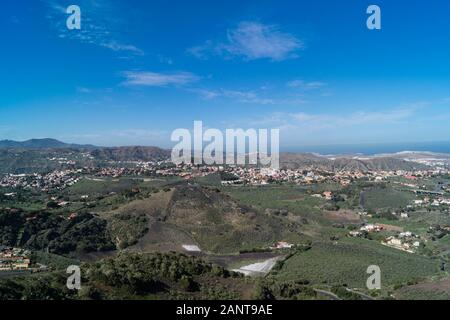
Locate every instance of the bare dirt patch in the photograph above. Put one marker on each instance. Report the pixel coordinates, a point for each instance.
(163, 238)
(228, 261)
(343, 216)
(389, 227)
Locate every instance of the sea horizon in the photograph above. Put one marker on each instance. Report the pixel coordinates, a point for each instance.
(371, 149)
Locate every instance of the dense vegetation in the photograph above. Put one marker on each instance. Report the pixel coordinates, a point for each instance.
(133, 276)
(126, 228)
(54, 233)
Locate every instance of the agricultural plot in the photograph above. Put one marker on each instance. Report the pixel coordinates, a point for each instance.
(346, 262)
(97, 186)
(295, 199)
(388, 197)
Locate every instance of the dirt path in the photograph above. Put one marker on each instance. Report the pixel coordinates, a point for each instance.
(327, 294)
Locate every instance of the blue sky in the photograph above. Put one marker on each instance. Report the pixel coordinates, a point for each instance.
(137, 70)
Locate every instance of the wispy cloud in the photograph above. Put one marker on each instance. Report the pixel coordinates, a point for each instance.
(330, 120)
(153, 79)
(165, 60)
(299, 128)
(98, 23)
(83, 90)
(305, 85)
(252, 41)
(240, 96)
(262, 95)
(352, 119)
(140, 134)
(133, 136)
(204, 50)
(115, 46)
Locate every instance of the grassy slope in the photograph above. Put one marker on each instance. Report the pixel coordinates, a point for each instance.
(378, 198)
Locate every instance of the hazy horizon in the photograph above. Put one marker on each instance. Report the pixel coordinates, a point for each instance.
(342, 149)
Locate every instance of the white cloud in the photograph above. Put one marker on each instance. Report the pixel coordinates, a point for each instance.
(138, 136)
(115, 46)
(319, 121)
(255, 41)
(308, 128)
(98, 23)
(306, 85)
(202, 51)
(240, 96)
(252, 41)
(352, 119)
(83, 90)
(153, 79)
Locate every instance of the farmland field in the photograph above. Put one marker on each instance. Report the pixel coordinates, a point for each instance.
(380, 198)
(347, 261)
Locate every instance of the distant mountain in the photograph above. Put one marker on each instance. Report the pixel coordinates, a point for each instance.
(296, 161)
(131, 154)
(414, 155)
(41, 144)
(306, 161)
(312, 161)
(375, 164)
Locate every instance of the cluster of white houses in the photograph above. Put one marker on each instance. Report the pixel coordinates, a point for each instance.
(12, 259)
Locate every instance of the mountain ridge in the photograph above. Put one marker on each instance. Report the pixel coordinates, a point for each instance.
(45, 143)
(289, 160)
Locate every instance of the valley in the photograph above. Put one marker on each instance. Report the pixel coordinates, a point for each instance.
(307, 231)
